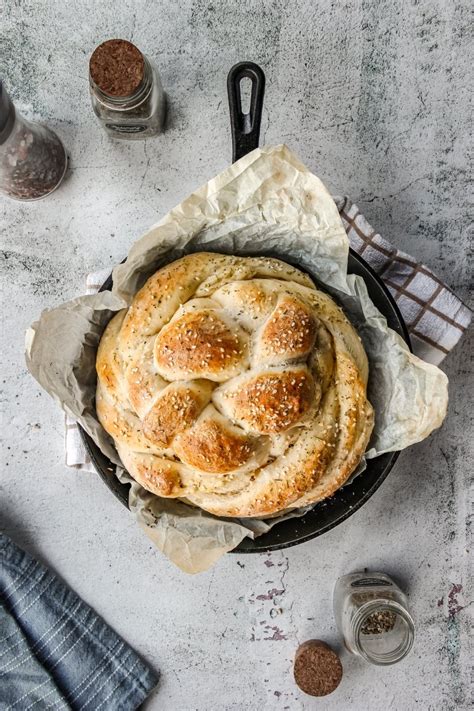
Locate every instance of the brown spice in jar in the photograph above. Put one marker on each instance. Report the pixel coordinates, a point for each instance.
(117, 67)
(317, 669)
(379, 622)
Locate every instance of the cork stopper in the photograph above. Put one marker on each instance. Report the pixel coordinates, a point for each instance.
(317, 668)
(117, 67)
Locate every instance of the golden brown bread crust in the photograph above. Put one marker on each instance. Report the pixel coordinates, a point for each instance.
(199, 344)
(214, 445)
(288, 334)
(156, 474)
(268, 402)
(236, 385)
(175, 410)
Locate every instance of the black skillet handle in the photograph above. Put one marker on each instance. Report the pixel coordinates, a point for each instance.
(245, 127)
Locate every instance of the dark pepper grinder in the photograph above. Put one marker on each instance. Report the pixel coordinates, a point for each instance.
(33, 160)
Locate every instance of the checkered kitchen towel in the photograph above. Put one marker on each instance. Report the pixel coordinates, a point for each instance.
(55, 651)
(435, 317)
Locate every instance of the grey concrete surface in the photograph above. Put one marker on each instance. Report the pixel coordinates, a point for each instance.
(375, 97)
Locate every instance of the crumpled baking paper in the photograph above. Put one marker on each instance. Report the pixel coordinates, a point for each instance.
(268, 203)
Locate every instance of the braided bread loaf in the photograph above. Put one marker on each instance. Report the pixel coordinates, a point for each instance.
(234, 384)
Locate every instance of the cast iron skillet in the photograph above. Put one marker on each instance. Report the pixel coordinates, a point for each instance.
(329, 513)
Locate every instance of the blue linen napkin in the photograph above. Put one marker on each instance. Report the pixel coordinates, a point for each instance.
(55, 651)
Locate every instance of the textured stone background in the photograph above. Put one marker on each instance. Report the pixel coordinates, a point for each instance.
(375, 97)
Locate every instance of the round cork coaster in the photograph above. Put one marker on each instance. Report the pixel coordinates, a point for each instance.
(117, 67)
(317, 668)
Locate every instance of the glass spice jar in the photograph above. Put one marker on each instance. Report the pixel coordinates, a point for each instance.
(33, 160)
(373, 617)
(126, 91)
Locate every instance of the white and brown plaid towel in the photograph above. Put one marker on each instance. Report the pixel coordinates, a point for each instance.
(435, 317)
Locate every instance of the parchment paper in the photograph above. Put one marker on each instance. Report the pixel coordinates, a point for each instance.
(266, 203)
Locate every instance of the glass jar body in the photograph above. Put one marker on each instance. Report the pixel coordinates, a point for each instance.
(135, 117)
(33, 161)
(373, 617)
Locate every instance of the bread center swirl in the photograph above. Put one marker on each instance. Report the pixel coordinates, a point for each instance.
(235, 384)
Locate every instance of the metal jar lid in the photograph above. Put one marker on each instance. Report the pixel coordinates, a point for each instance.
(7, 114)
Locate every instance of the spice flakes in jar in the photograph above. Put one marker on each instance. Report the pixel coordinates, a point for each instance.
(372, 615)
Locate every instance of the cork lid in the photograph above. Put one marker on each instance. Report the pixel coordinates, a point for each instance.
(317, 668)
(117, 67)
